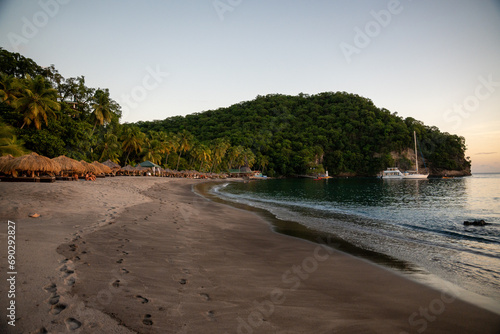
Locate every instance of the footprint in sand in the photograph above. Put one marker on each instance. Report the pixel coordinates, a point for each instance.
(53, 299)
(119, 261)
(183, 281)
(116, 283)
(124, 271)
(58, 308)
(205, 296)
(70, 281)
(142, 299)
(42, 330)
(68, 272)
(210, 315)
(72, 324)
(146, 320)
(50, 287)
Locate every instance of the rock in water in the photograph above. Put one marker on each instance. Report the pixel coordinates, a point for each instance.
(477, 222)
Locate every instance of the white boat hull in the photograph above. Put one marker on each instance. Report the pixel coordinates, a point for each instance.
(416, 176)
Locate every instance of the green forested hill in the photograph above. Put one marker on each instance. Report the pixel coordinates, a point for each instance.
(343, 133)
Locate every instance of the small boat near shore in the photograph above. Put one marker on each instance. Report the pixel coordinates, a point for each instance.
(395, 173)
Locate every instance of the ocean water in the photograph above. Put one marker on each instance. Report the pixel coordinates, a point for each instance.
(415, 222)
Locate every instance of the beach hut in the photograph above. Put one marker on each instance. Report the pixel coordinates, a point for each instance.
(142, 170)
(31, 163)
(241, 172)
(90, 168)
(4, 160)
(69, 165)
(104, 169)
(114, 166)
(128, 170)
(150, 165)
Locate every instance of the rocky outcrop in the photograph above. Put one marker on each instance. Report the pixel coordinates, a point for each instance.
(477, 222)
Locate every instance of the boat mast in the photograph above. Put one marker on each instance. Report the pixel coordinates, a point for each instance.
(416, 156)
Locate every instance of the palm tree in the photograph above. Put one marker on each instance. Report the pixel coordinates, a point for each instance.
(37, 99)
(248, 157)
(101, 106)
(185, 143)
(264, 161)
(9, 88)
(234, 154)
(202, 153)
(9, 144)
(132, 140)
(219, 150)
(110, 148)
(153, 151)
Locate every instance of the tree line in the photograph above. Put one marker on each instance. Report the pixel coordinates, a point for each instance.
(344, 133)
(42, 111)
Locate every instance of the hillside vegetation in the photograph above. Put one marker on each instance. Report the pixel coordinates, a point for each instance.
(281, 135)
(343, 133)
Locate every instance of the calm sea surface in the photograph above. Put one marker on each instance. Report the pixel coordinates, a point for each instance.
(417, 222)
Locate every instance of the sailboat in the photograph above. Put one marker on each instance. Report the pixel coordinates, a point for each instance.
(395, 173)
(415, 174)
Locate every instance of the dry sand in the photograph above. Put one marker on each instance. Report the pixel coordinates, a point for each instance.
(147, 255)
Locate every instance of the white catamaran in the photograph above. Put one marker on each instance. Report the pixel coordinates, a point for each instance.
(395, 173)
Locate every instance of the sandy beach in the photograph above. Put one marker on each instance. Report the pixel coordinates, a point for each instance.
(148, 255)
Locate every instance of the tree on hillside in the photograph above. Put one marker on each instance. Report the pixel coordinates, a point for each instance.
(9, 144)
(110, 148)
(37, 100)
(132, 140)
(219, 149)
(185, 143)
(101, 108)
(202, 153)
(17, 65)
(9, 88)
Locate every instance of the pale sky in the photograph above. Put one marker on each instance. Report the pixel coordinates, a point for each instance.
(436, 61)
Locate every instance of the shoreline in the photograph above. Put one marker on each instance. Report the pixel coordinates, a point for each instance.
(401, 267)
(148, 255)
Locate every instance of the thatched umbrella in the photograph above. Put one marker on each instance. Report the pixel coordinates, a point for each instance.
(128, 169)
(31, 163)
(89, 168)
(141, 169)
(104, 169)
(3, 161)
(69, 165)
(112, 165)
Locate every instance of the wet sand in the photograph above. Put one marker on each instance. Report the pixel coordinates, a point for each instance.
(148, 255)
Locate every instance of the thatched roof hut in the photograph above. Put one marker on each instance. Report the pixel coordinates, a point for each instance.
(3, 161)
(128, 170)
(69, 165)
(90, 168)
(31, 163)
(104, 169)
(114, 166)
(142, 170)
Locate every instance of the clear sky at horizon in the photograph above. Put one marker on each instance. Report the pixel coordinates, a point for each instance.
(435, 61)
